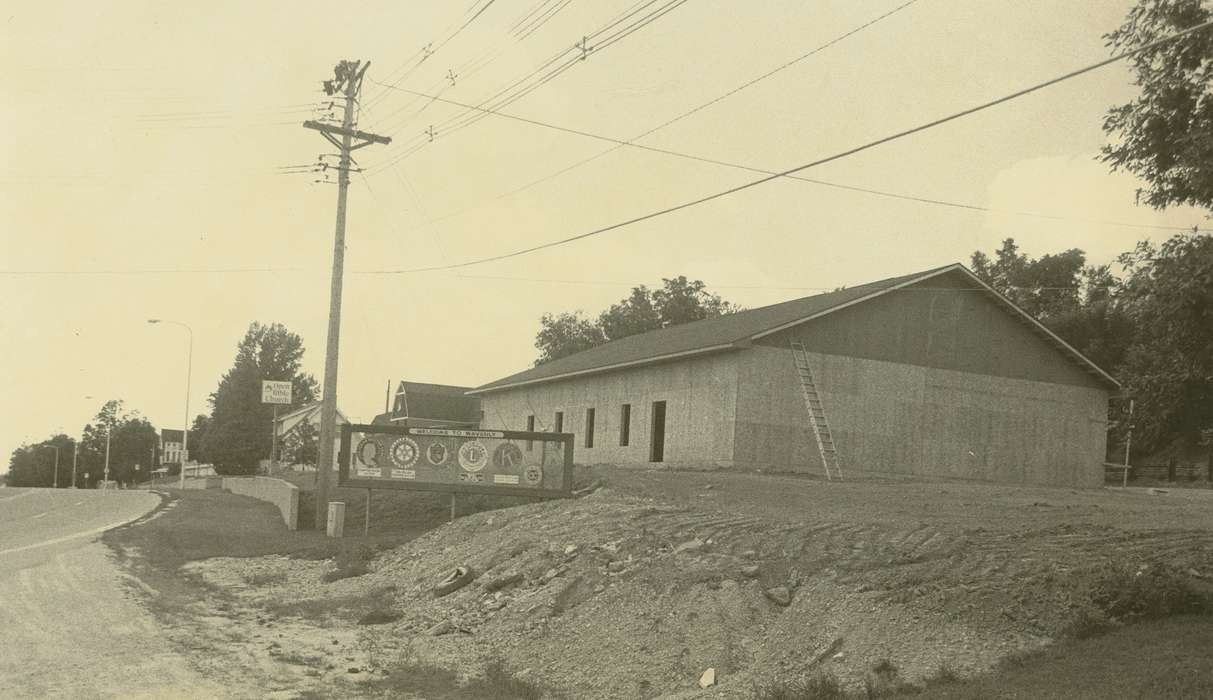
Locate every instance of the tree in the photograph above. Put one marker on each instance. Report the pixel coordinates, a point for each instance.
(238, 434)
(34, 465)
(565, 334)
(633, 315)
(1168, 370)
(1075, 301)
(1165, 135)
(301, 445)
(132, 440)
(197, 441)
(678, 301)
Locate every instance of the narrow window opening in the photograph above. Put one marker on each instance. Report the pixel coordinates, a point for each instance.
(589, 427)
(530, 428)
(625, 424)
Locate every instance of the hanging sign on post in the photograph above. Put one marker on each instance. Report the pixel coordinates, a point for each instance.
(275, 392)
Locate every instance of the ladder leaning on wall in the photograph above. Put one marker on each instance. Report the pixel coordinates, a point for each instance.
(817, 413)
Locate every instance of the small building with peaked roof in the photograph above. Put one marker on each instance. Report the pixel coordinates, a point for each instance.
(423, 405)
(931, 374)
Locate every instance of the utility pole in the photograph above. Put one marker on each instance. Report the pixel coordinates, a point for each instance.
(347, 77)
(75, 450)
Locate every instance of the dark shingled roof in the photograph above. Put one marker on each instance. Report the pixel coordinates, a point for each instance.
(730, 332)
(700, 335)
(170, 435)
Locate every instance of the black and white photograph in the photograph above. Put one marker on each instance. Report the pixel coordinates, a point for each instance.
(606, 349)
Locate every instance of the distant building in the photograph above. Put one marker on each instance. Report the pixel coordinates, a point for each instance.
(171, 445)
(928, 374)
(420, 405)
(302, 424)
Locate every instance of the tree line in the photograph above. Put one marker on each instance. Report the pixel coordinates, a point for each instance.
(233, 436)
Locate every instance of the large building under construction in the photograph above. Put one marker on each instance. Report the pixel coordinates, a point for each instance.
(929, 374)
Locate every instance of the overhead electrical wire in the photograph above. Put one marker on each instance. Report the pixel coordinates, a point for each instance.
(524, 86)
(474, 11)
(825, 183)
(681, 116)
(542, 20)
(811, 164)
(466, 72)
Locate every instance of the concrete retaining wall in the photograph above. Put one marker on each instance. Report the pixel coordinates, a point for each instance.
(281, 493)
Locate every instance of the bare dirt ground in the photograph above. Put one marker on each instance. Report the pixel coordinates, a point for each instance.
(635, 590)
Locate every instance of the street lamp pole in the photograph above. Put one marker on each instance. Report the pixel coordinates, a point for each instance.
(56, 481)
(189, 368)
(106, 480)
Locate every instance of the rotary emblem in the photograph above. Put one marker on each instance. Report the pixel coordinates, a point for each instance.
(404, 452)
(473, 456)
(533, 474)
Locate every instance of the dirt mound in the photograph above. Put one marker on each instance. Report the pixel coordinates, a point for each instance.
(613, 596)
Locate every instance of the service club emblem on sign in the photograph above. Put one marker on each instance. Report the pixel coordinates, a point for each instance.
(368, 452)
(507, 456)
(473, 456)
(533, 475)
(436, 453)
(404, 452)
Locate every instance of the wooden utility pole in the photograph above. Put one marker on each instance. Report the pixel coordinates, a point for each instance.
(347, 78)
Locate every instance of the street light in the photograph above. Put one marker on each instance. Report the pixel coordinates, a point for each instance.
(189, 365)
(56, 449)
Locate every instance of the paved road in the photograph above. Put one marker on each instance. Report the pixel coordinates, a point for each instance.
(69, 625)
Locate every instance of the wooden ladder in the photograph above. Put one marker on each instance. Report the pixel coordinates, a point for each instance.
(817, 413)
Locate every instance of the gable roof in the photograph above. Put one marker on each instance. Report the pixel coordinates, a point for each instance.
(307, 412)
(436, 389)
(444, 402)
(736, 331)
(171, 435)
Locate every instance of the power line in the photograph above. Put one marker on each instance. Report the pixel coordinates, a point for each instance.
(523, 86)
(615, 283)
(748, 168)
(683, 115)
(543, 19)
(429, 50)
(812, 164)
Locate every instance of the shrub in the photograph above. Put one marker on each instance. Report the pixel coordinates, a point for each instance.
(1126, 592)
(499, 682)
(350, 562)
(820, 686)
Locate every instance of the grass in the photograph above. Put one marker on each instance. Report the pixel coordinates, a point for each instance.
(414, 679)
(819, 686)
(1164, 658)
(1124, 593)
(377, 601)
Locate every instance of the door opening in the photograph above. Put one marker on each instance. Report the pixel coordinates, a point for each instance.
(657, 435)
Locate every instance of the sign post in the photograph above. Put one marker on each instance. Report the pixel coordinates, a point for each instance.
(276, 393)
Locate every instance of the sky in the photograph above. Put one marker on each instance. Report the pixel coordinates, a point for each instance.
(143, 146)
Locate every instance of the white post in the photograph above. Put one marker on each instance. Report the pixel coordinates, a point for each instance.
(106, 482)
(1128, 441)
